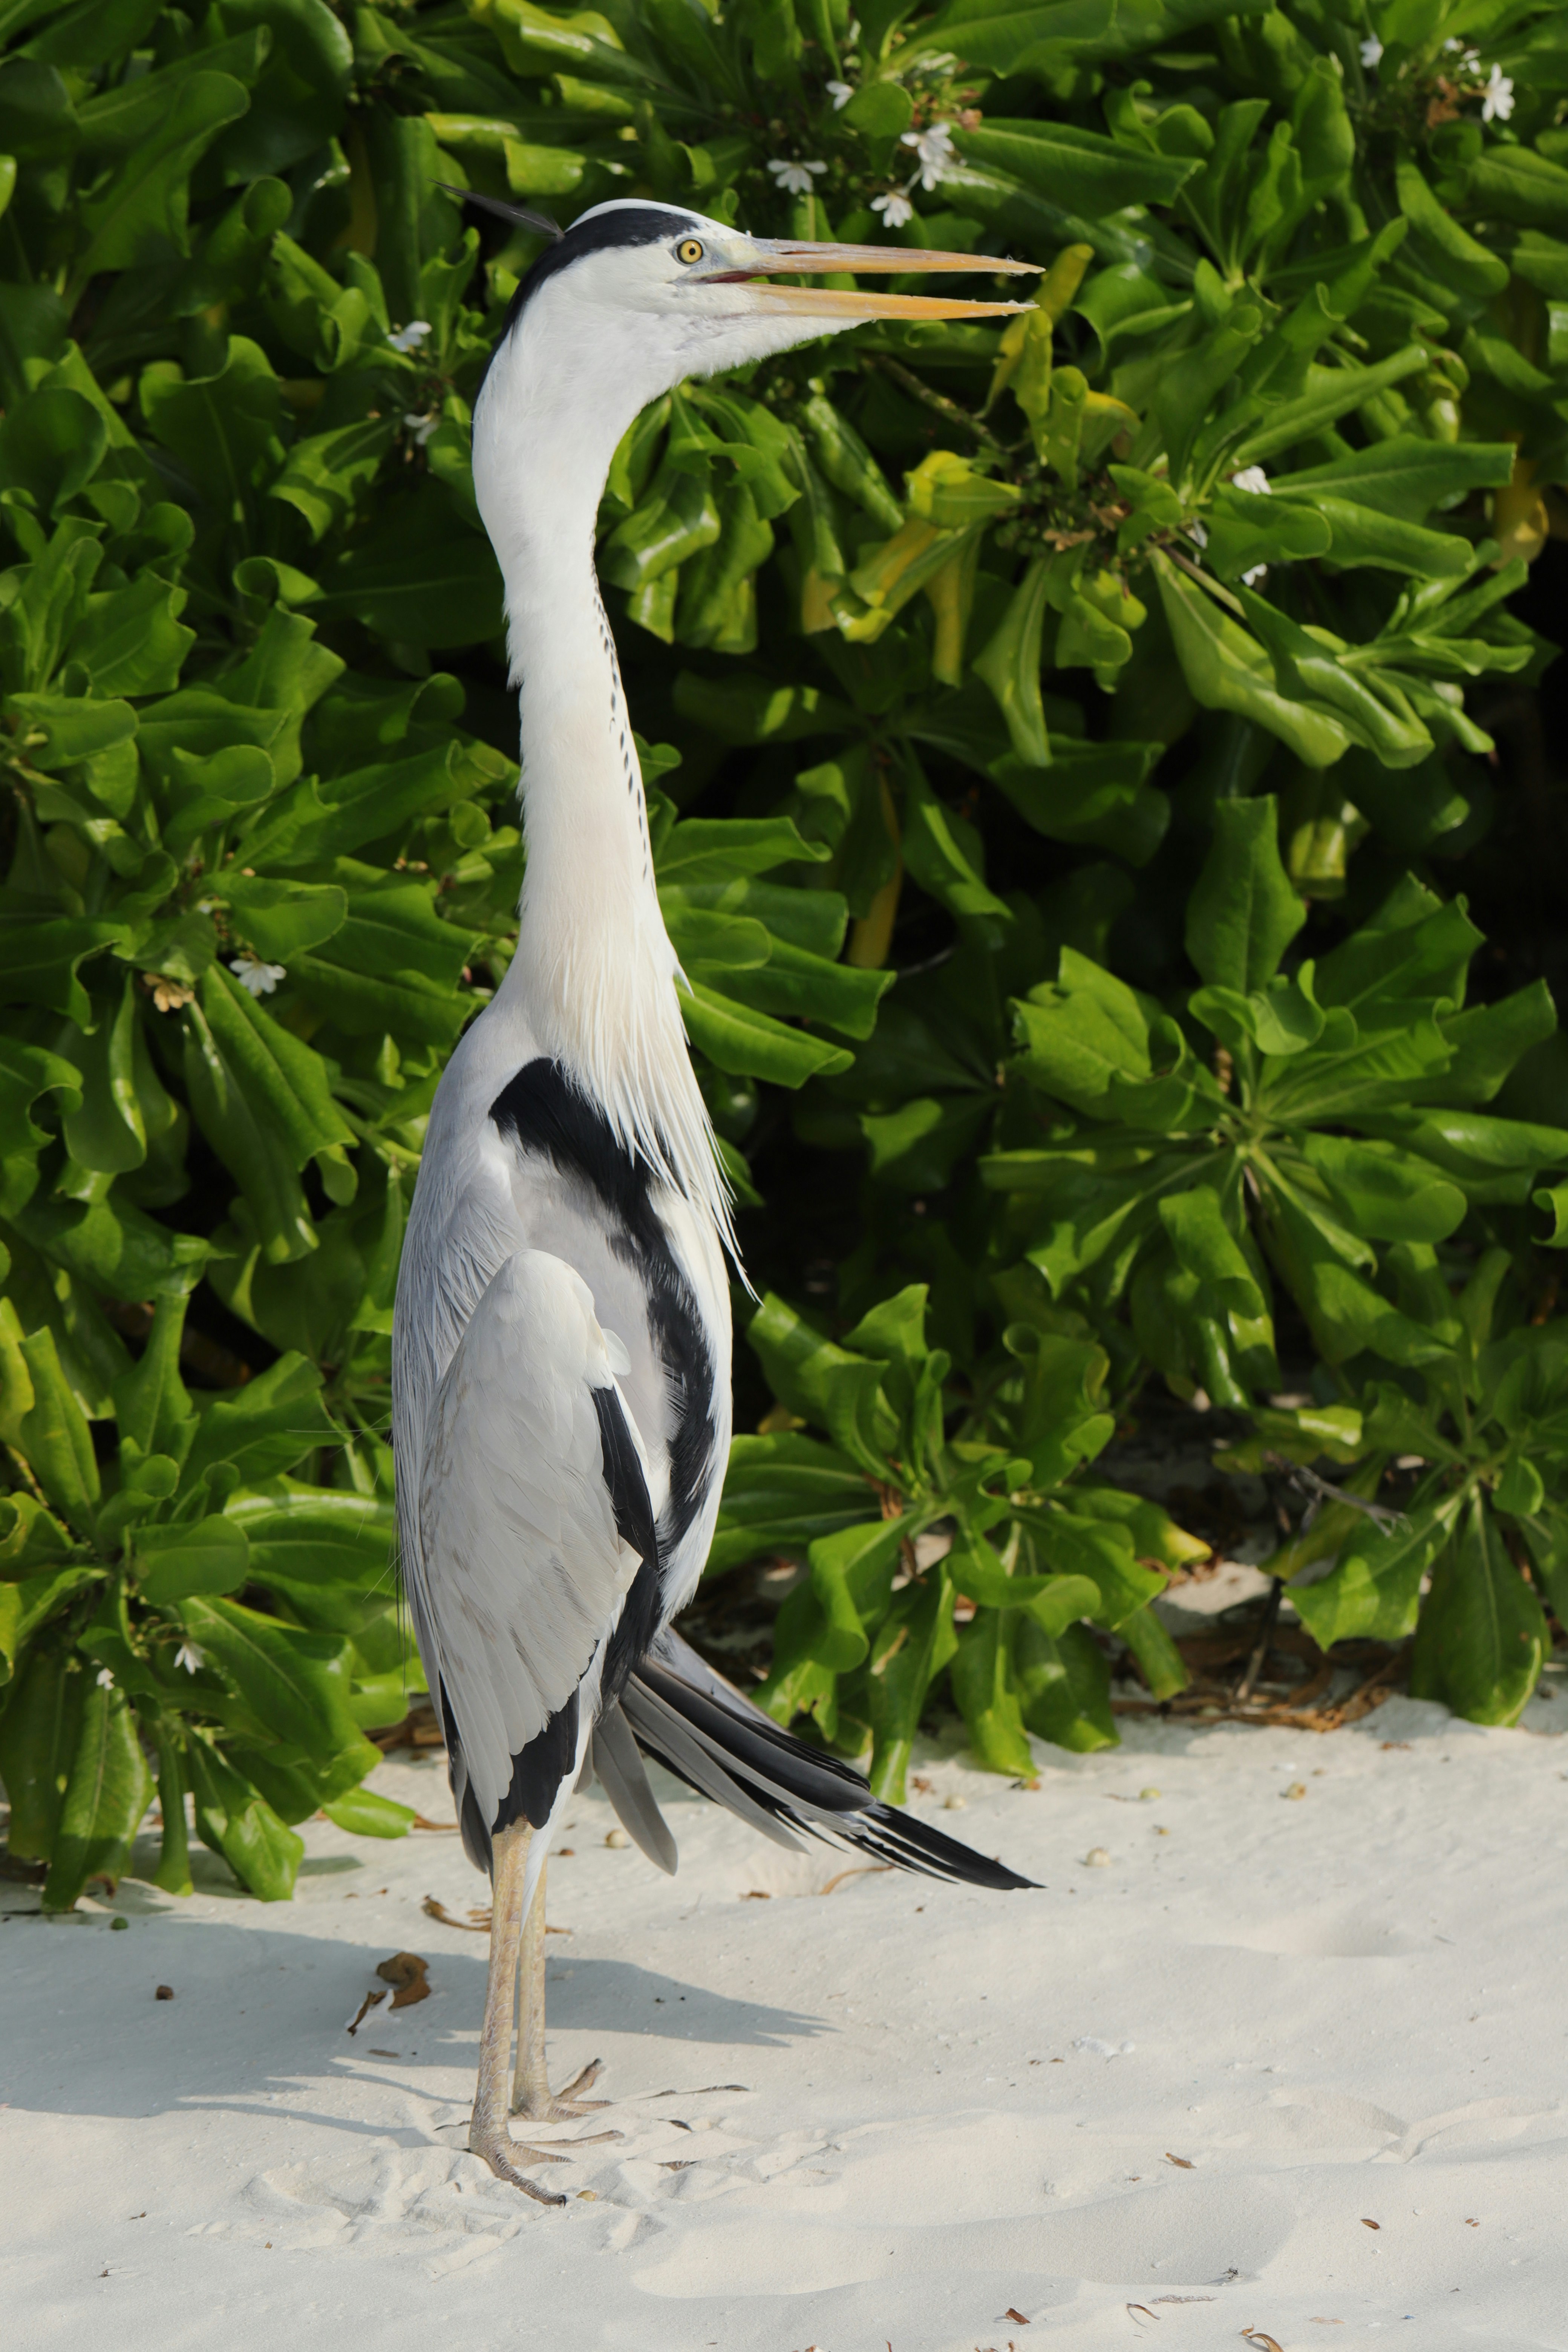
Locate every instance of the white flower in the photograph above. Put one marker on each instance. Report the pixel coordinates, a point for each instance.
(1251, 478)
(1197, 534)
(409, 338)
(840, 93)
(105, 1679)
(895, 208)
(190, 1657)
(423, 426)
(259, 978)
(796, 177)
(1258, 572)
(1497, 99)
(1370, 52)
(934, 149)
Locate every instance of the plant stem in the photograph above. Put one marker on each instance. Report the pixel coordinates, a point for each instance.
(940, 402)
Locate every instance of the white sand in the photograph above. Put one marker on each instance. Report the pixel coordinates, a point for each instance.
(1344, 2006)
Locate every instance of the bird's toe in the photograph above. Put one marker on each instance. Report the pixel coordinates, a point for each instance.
(501, 2152)
(543, 2105)
(585, 2081)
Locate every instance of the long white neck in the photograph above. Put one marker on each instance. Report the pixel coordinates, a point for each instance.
(594, 974)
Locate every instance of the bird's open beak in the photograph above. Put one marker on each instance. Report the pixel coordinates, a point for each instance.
(778, 257)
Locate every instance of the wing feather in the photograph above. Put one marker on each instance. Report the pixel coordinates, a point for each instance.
(524, 1569)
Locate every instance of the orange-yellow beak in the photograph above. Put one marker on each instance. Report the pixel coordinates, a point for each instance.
(782, 257)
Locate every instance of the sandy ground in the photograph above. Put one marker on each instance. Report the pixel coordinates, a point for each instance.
(1163, 2100)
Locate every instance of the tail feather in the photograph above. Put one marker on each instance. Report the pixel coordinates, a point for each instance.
(617, 1759)
(679, 1711)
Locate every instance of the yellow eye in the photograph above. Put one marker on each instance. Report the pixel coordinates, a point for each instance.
(688, 249)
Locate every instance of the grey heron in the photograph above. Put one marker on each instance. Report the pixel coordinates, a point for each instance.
(562, 1339)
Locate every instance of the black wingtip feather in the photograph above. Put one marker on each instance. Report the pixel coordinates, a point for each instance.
(803, 1787)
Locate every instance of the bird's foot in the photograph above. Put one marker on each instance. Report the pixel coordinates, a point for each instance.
(501, 2152)
(546, 2107)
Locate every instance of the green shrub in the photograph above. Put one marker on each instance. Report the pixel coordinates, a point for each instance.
(1187, 1181)
(977, 631)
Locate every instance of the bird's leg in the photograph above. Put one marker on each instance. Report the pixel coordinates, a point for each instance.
(488, 2134)
(530, 2092)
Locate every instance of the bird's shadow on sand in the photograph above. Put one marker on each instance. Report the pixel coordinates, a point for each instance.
(260, 2009)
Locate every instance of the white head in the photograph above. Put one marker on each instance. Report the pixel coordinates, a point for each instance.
(635, 296)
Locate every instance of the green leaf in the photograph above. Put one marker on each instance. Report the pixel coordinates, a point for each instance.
(1517, 183)
(109, 1791)
(822, 1382)
(709, 849)
(311, 1539)
(39, 1728)
(1483, 1637)
(1156, 1655)
(1461, 262)
(1373, 1591)
(1225, 669)
(296, 1684)
(752, 1044)
(1404, 477)
(327, 474)
(174, 1872)
(235, 1821)
(851, 1577)
(28, 1073)
(1010, 665)
(247, 1058)
(413, 578)
(1205, 1244)
(1064, 1684)
(984, 1686)
(1332, 395)
(1081, 170)
(140, 214)
(30, 1538)
(1247, 529)
(363, 1813)
(131, 640)
(263, 1428)
(224, 428)
(194, 1556)
(1383, 1192)
(782, 1491)
(54, 1436)
(1081, 1032)
(914, 1642)
(1187, 388)
(1243, 913)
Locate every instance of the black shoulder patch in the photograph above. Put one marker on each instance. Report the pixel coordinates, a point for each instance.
(635, 224)
(639, 1617)
(545, 1113)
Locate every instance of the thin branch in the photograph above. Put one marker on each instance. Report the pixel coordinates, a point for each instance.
(939, 401)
